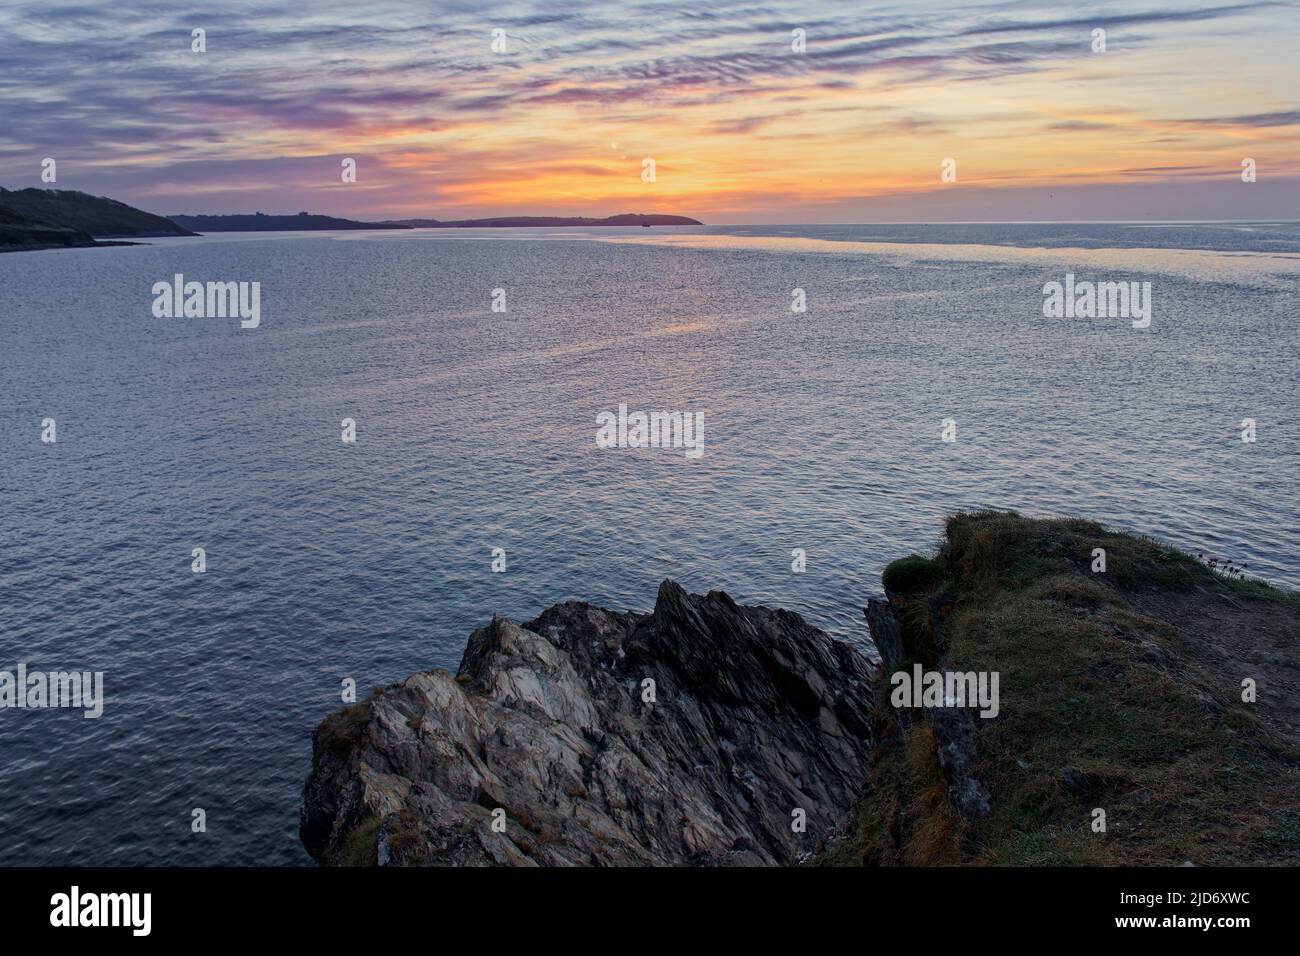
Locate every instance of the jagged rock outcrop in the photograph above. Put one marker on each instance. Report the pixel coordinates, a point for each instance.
(549, 729)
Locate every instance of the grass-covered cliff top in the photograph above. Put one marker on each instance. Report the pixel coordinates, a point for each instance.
(1119, 690)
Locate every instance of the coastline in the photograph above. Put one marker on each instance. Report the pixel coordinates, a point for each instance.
(97, 244)
(403, 779)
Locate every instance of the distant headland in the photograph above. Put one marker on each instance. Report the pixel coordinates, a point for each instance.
(66, 218)
(624, 219)
(261, 222)
(258, 222)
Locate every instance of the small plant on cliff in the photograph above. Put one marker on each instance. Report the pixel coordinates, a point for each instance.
(1223, 566)
(912, 575)
(360, 846)
(342, 729)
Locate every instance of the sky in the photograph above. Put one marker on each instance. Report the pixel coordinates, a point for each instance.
(742, 126)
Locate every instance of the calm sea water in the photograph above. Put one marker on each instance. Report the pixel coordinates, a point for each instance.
(476, 430)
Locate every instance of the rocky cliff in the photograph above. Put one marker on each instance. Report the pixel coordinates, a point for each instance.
(701, 733)
(1144, 713)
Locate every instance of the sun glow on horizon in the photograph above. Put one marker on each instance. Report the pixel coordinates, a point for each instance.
(739, 123)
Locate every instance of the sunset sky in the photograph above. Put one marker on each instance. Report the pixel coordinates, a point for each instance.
(741, 127)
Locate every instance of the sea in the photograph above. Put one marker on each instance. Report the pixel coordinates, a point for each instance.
(853, 386)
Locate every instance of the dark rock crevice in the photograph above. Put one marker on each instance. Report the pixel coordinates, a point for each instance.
(953, 728)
